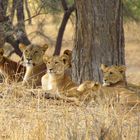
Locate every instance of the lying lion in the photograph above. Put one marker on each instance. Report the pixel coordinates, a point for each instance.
(11, 70)
(114, 81)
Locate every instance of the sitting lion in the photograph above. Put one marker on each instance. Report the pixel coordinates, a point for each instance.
(35, 67)
(56, 81)
(11, 70)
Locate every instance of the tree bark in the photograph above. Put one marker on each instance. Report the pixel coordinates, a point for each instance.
(20, 28)
(99, 38)
(3, 18)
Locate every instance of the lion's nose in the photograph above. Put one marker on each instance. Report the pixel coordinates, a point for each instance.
(51, 69)
(29, 59)
(104, 80)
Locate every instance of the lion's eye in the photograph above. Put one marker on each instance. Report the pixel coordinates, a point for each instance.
(56, 62)
(48, 62)
(111, 73)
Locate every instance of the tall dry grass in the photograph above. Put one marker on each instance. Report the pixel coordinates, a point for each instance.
(27, 117)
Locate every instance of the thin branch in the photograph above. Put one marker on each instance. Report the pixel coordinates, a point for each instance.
(35, 16)
(37, 13)
(28, 11)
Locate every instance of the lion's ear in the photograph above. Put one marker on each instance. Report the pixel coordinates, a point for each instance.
(64, 58)
(45, 58)
(122, 68)
(45, 47)
(22, 47)
(1, 51)
(68, 53)
(103, 67)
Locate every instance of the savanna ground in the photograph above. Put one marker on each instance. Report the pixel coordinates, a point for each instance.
(25, 117)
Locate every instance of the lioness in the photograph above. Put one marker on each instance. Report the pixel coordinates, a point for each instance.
(35, 67)
(56, 81)
(11, 70)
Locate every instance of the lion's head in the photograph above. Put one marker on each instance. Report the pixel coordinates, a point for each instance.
(33, 54)
(56, 64)
(1, 54)
(112, 74)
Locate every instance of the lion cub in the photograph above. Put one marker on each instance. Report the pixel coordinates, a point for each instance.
(56, 81)
(114, 81)
(33, 60)
(11, 70)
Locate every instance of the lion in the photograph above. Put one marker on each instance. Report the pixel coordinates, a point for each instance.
(113, 88)
(33, 60)
(113, 75)
(114, 81)
(11, 70)
(56, 81)
(58, 84)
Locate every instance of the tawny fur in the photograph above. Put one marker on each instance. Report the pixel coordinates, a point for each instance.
(114, 84)
(33, 60)
(11, 70)
(56, 81)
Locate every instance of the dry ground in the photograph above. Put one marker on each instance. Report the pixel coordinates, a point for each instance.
(25, 117)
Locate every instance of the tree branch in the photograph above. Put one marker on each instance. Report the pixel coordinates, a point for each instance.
(64, 4)
(62, 29)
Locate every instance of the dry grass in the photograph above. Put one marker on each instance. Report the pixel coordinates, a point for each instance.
(27, 117)
(23, 116)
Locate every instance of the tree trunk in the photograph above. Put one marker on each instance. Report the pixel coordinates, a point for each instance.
(2, 19)
(99, 38)
(20, 29)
